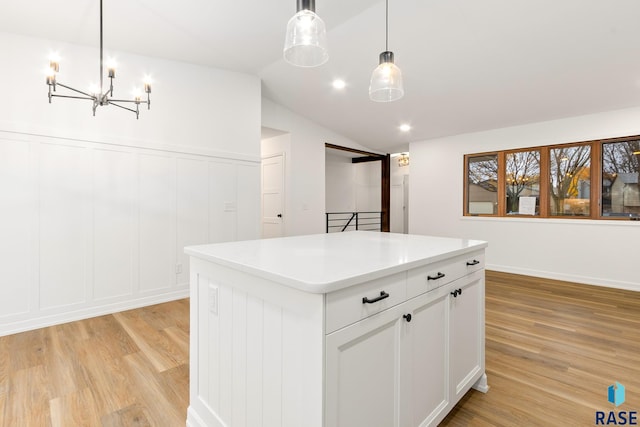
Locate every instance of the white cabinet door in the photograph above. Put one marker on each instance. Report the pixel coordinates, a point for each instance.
(362, 372)
(425, 386)
(467, 332)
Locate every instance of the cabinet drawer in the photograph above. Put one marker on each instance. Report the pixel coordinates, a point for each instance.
(351, 304)
(432, 276)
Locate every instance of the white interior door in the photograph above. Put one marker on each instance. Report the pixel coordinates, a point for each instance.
(273, 196)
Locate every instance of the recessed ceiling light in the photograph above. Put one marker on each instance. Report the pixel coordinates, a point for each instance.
(339, 84)
(405, 127)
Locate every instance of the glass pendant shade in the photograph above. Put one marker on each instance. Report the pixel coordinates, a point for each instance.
(306, 41)
(386, 80)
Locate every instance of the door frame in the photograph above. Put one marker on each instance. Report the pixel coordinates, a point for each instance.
(385, 178)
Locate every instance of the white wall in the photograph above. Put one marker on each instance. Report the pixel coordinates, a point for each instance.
(96, 210)
(193, 108)
(368, 186)
(306, 174)
(594, 252)
(340, 192)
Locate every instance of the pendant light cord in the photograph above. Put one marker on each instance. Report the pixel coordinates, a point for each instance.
(100, 46)
(386, 40)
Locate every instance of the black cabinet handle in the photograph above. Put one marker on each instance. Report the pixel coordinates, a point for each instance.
(474, 262)
(439, 276)
(382, 296)
(407, 317)
(455, 293)
(279, 215)
(459, 291)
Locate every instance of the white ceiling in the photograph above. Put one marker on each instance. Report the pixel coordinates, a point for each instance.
(468, 65)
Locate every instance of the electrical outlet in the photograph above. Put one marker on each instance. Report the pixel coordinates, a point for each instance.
(178, 268)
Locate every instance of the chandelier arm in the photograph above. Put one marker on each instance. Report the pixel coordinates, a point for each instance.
(121, 106)
(76, 90)
(126, 100)
(70, 96)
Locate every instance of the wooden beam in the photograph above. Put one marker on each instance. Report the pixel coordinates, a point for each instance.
(367, 159)
(351, 150)
(386, 193)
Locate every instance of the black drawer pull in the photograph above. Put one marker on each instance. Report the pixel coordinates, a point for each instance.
(439, 276)
(407, 317)
(382, 296)
(455, 293)
(474, 262)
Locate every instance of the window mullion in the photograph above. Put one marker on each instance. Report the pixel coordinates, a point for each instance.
(544, 182)
(502, 184)
(596, 179)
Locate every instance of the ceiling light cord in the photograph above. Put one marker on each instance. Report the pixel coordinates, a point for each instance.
(101, 69)
(386, 39)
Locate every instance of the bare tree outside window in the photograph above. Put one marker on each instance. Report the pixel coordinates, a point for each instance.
(620, 179)
(522, 179)
(570, 182)
(482, 185)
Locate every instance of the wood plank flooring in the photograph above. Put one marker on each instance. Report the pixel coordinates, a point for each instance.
(126, 369)
(552, 349)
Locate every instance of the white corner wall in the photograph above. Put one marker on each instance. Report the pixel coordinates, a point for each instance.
(351, 187)
(96, 211)
(340, 192)
(305, 173)
(584, 251)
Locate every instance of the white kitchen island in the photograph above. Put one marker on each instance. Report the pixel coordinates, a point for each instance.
(344, 329)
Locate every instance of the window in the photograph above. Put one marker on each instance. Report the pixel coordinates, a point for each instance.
(570, 179)
(595, 180)
(620, 179)
(482, 185)
(522, 181)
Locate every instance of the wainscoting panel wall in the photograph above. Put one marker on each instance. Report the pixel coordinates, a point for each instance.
(64, 211)
(17, 207)
(114, 223)
(157, 222)
(223, 202)
(193, 209)
(91, 228)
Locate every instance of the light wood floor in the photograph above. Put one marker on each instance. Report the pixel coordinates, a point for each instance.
(552, 349)
(127, 369)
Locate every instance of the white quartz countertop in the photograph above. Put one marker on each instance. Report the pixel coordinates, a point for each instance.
(324, 263)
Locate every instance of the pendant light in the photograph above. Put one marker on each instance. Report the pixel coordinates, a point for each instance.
(305, 44)
(386, 79)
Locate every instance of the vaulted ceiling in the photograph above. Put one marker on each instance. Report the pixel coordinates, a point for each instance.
(468, 65)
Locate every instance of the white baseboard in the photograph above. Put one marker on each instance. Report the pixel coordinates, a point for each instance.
(41, 321)
(595, 281)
